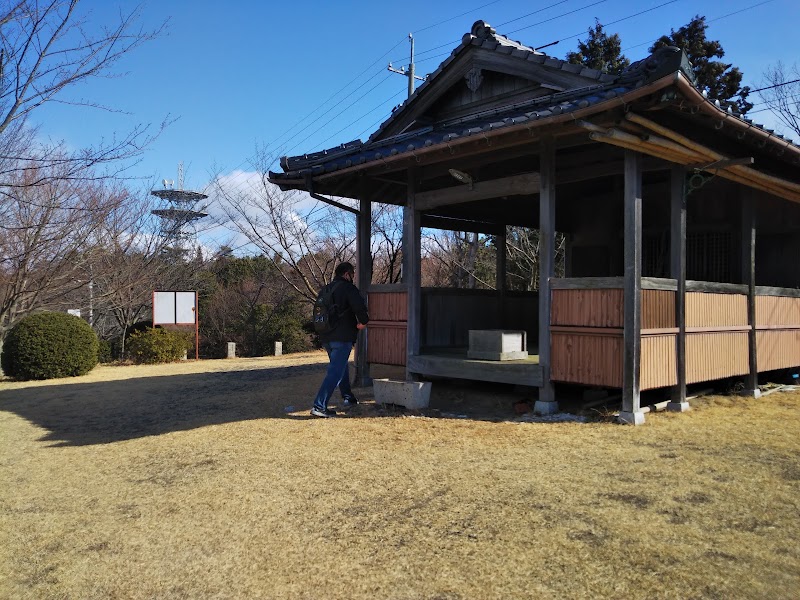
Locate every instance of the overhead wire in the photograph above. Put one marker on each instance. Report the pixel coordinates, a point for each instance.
(449, 44)
(708, 21)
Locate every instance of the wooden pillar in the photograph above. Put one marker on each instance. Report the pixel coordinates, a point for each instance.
(546, 403)
(632, 232)
(412, 259)
(678, 273)
(500, 279)
(364, 278)
(748, 262)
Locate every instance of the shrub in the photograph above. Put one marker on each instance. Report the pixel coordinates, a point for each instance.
(104, 354)
(48, 345)
(156, 345)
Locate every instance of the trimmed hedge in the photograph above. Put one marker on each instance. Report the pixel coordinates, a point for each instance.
(156, 345)
(49, 345)
(104, 352)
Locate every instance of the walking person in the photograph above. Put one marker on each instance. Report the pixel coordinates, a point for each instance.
(350, 315)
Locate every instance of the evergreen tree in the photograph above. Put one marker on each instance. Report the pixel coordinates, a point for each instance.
(722, 81)
(600, 51)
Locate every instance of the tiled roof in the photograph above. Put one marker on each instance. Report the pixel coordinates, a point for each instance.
(606, 87)
(484, 36)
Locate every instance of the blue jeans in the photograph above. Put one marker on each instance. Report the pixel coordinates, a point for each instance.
(338, 354)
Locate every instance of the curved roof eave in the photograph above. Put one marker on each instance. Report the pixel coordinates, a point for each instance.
(319, 171)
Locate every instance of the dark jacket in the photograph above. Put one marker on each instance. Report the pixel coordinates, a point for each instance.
(350, 307)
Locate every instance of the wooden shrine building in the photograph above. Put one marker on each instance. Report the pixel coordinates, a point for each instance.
(681, 221)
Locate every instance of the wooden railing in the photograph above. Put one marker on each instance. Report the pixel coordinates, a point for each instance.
(388, 313)
(587, 331)
(447, 316)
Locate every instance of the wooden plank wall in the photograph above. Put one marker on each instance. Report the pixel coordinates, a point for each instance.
(449, 314)
(386, 342)
(777, 332)
(586, 342)
(587, 336)
(587, 358)
(447, 317)
(587, 308)
(705, 309)
(721, 349)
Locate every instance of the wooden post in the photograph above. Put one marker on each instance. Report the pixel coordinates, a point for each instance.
(678, 272)
(546, 403)
(631, 411)
(500, 279)
(412, 259)
(364, 266)
(749, 279)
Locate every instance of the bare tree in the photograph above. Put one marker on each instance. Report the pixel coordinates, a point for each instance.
(781, 93)
(304, 238)
(46, 48)
(459, 259)
(129, 259)
(43, 234)
(387, 238)
(523, 251)
(52, 199)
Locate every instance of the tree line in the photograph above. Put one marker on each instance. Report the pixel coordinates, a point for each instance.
(77, 233)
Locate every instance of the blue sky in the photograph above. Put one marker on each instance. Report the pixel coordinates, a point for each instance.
(245, 73)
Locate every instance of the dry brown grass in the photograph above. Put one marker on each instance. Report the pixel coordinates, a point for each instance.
(193, 481)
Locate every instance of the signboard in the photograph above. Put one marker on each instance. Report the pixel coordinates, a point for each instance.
(177, 308)
(174, 308)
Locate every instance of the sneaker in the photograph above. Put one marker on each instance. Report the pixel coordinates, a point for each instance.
(323, 412)
(349, 401)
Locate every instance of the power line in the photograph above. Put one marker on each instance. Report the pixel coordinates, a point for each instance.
(454, 42)
(619, 20)
(446, 53)
(351, 123)
(458, 16)
(709, 21)
(559, 16)
(342, 112)
(777, 85)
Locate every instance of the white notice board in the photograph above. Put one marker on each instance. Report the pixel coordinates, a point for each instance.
(174, 308)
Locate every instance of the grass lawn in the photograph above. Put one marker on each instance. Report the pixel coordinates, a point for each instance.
(210, 480)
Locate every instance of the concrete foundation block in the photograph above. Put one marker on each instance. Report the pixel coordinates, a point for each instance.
(544, 407)
(631, 418)
(411, 394)
(231, 349)
(678, 406)
(497, 344)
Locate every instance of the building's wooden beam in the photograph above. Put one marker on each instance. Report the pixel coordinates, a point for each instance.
(500, 276)
(748, 263)
(678, 273)
(412, 259)
(364, 267)
(516, 185)
(453, 224)
(632, 232)
(547, 235)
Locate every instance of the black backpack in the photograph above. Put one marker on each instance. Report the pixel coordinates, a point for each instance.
(326, 312)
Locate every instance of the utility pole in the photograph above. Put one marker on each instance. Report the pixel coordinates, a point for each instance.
(410, 72)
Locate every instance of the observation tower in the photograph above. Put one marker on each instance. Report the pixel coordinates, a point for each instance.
(179, 214)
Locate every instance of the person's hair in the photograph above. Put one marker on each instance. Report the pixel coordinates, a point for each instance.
(343, 268)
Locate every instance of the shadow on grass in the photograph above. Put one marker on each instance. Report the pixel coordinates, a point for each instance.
(103, 412)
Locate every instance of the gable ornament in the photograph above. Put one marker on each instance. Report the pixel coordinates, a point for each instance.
(474, 79)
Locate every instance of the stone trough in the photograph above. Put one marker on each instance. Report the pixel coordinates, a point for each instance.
(411, 394)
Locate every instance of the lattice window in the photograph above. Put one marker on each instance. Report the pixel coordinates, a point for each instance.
(708, 256)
